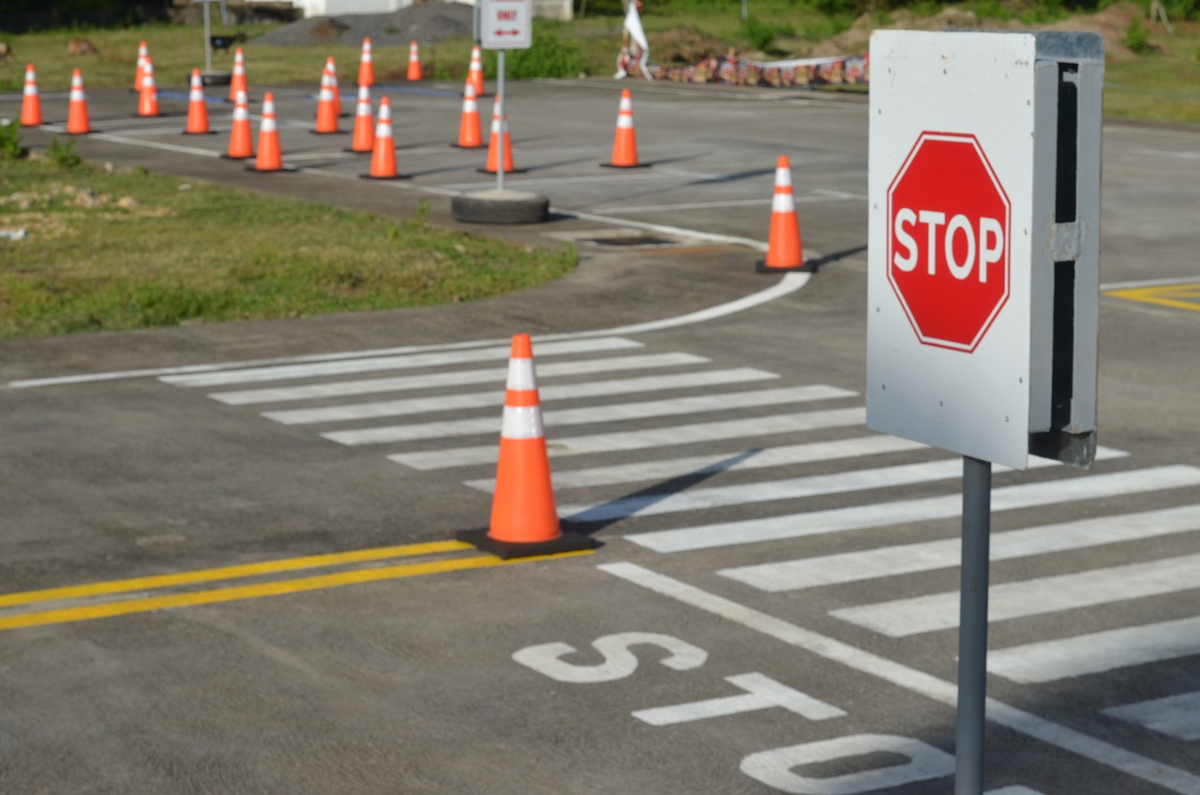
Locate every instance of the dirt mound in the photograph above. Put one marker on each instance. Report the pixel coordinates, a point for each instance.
(685, 45)
(428, 23)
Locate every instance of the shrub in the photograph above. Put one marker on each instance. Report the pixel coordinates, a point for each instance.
(1137, 37)
(10, 141)
(63, 154)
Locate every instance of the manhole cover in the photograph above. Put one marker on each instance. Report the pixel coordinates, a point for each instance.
(631, 241)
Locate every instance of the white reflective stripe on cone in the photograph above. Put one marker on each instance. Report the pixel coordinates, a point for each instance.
(522, 422)
(783, 203)
(521, 375)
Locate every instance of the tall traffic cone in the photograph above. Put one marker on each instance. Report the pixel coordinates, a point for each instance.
(240, 145)
(197, 121)
(148, 99)
(624, 153)
(270, 156)
(327, 105)
(784, 252)
(31, 103)
(383, 155)
(498, 141)
(414, 61)
(364, 123)
(475, 72)
(143, 54)
(77, 111)
(366, 66)
(470, 133)
(237, 80)
(524, 517)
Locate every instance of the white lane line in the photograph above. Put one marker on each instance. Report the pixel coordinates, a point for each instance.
(817, 197)
(1175, 716)
(902, 618)
(750, 243)
(1169, 153)
(699, 465)
(495, 397)
(837, 520)
(594, 414)
(496, 375)
(910, 679)
(1149, 283)
(869, 564)
(410, 361)
(1096, 652)
(649, 439)
(769, 491)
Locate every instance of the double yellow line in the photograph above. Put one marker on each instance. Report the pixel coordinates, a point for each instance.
(143, 604)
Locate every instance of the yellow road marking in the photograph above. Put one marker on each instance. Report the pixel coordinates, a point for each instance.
(230, 572)
(356, 577)
(1171, 296)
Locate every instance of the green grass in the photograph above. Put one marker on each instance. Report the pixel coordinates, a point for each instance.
(136, 250)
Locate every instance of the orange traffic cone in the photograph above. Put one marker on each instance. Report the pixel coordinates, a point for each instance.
(364, 123)
(77, 112)
(383, 156)
(470, 133)
(784, 252)
(148, 100)
(237, 81)
(333, 86)
(197, 121)
(327, 105)
(366, 66)
(524, 517)
(143, 54)
(475, 72)
(270, 157)
(624, 153)
(414, 61)
(498, 141)
(240, 146)
(31, 103)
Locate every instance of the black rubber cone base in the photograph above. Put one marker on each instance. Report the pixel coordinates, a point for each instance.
(284, 170)
(762, 267)
(635, 165)
(567, 542)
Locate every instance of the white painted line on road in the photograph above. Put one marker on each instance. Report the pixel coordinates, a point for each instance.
(902, 618)
(1097, 652)
(344, 367)
(1169, 153)
(750, 243)
(860, 517)
(495, 397)
(495, 375)
(910, 679)
(878, 562)
(594, 414)
(1175, 716)
(653, 438)
(1149, 283)
(701, 465)
(177, 148)
(654, 208)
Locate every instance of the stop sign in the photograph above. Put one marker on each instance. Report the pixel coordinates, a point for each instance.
(948, 240)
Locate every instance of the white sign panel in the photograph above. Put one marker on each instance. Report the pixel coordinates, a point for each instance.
(506, 24)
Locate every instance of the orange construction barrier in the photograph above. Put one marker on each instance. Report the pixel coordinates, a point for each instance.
(31, 103)
(366, 66)
(624, 153)
(498, 141)
(470, 133)
(197, 121)
(784, 252)
(475, 72)
(524, 517)
(414, 61)
(240, 145)
(364, 123)
(327, 104)
(270, 156)
(77, 111)
(237, 81)
(383, 156)
(148, 99)
(143, 54)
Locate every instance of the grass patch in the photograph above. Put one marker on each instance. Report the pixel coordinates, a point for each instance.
(137, 250)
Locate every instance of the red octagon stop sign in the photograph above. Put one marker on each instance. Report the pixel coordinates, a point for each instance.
(948, 240)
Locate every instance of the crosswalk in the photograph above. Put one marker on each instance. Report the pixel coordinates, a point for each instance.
(704, 456)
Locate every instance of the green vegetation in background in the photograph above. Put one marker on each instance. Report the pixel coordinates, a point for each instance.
(136, 250)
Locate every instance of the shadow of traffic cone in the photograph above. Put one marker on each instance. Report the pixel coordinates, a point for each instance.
(197, 120)
(784, 252)
(77, 111)
(475, 71)
(524, 517)
(364, 123)
(31, 103)
(148, 99)
(499, 142)
(366, 66)
(241, 146)
(414, 61)
(328, 108)
(624, 152)
(383, 156)
(270, 156)
(470, 131)
(143, 54)
(237, 79)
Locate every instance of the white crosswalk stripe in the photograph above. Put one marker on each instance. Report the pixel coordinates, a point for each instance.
(1175, 716)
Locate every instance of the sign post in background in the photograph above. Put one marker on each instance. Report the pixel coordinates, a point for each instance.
(504, 25)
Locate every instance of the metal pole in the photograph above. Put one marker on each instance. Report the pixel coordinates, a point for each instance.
(500, 105)
(972, 626)
(207, 36)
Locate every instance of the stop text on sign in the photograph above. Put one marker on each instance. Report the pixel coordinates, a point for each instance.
(948, 240)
